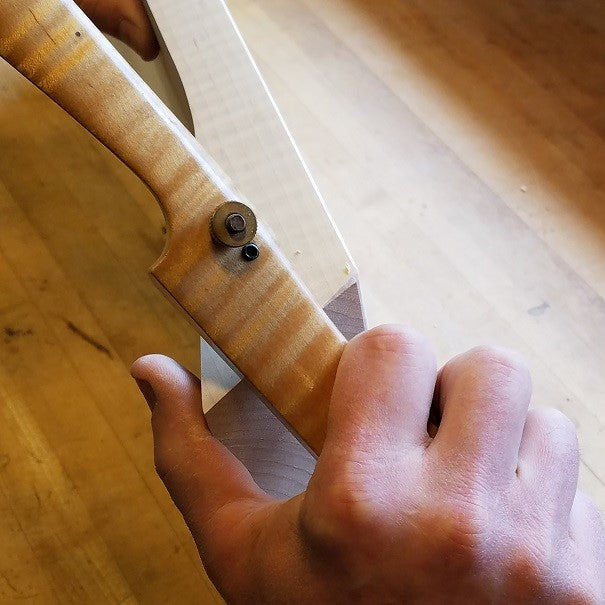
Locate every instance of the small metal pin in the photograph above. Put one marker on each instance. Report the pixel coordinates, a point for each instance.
(250, 252)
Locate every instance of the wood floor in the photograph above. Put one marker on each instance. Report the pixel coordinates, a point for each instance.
(461, 148)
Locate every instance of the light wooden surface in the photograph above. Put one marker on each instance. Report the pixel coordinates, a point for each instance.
(460, 148)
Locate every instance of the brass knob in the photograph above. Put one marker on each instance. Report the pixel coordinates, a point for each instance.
(233, 224)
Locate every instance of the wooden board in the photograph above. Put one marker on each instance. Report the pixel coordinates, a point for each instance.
(279, 463)
(482, 125)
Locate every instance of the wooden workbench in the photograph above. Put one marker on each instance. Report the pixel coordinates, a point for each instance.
(460, 146)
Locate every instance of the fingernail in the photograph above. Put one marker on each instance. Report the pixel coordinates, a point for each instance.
(147, 391)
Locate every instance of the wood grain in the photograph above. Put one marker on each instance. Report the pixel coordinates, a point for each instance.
(237, 123)
(482, 125)
(248, 311)
(276, 460)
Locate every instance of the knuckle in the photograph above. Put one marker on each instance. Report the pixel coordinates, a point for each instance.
(455, 530)
(338, 513)
(499, 359)
(465, 523)
(392, 339)
(494, 368)
(554, 420)
(526, 569)
(559, 431)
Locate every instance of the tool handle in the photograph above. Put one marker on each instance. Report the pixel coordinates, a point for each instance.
(258, 314)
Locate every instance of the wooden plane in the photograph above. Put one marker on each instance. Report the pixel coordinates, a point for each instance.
(219, 91)
(255, 311)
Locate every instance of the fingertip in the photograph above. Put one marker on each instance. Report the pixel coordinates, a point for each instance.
(147, 371)
(147, 366)
(160, 368)
(151, 48)
(139, 369)
(174, 391)
(140, 37)
(126, 20)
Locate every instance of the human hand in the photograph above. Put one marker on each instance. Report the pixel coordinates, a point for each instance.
(486, 512)
(126, 20)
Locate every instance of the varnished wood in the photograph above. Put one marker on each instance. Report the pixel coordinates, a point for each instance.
(482, 125)
(247, 310)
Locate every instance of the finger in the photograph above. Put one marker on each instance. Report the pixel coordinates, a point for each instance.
(483, 396)
(588, 533)
(549, 461)
(126, 20)
(200, 474)
(382, 393)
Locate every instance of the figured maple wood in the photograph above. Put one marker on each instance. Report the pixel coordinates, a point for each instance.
(279, 464)
(236, 120)
(249, 311)
(208, 68)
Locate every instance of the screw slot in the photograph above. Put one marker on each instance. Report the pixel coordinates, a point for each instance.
(250, 252)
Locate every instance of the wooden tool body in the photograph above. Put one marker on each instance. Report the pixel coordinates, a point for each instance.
(257, 313)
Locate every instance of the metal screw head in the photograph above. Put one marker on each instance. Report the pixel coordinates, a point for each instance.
(250, 252)
(235, 223)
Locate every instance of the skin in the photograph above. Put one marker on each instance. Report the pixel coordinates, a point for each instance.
(126, 20)
(485, 511)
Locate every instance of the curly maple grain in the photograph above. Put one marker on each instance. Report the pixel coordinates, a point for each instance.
(258, 314)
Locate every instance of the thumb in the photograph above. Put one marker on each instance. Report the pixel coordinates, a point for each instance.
(200, 474)
(126, 20)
